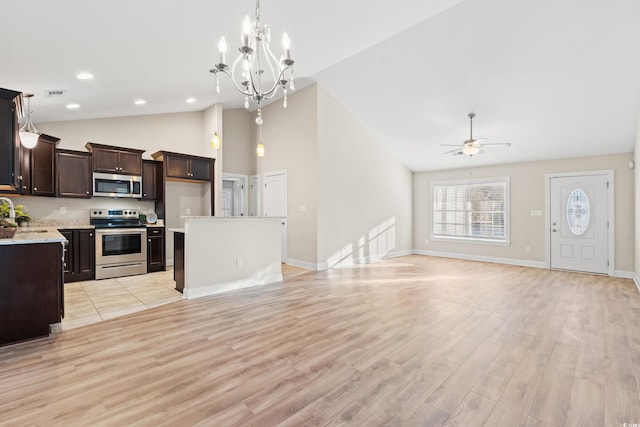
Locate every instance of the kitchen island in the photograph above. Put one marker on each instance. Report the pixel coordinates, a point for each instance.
(221, 254)
(31, 284)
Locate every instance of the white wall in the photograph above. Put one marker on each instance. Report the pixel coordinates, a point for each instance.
(636, 156)
(291, 139)
(237, 142)
(364, 192)
(179, 132)
(527, 185)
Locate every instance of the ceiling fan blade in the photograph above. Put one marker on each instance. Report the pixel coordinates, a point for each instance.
(497, 144)
(449, 145)
(459, 149)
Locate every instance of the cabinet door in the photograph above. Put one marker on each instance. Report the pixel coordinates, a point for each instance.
(149, 178)
(106, 160)
(177, 167)
(69, 265)
(86, 254)
(155, 253)
(201, 169)
(9, 143)
(130, 163)
(73, 172)
(43, 169)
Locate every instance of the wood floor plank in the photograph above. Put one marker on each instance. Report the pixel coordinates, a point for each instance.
(410, 341)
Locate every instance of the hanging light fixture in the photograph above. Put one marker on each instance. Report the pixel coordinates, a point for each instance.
(216, 141)
(260, 150)
(28, 133)
(247, 72)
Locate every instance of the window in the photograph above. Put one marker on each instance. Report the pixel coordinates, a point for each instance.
(471, 210)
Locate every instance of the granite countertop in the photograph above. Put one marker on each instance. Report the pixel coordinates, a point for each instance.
(155, 225)
(28, 235)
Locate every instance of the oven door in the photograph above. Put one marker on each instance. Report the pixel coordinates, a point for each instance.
(118, 245)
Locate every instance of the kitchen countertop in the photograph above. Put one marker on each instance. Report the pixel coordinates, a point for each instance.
(28, 235)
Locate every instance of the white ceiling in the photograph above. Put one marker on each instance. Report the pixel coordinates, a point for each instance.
(556, 78)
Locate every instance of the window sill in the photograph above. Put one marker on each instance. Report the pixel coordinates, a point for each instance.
(471, 240)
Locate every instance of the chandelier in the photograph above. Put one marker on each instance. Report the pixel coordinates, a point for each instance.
(248, 72)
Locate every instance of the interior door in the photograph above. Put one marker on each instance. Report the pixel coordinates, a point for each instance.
(579, 223)
(275, 202)
(254, 196)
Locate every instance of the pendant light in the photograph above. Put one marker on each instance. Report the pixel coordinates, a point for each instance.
(28, 133)
(216, 141)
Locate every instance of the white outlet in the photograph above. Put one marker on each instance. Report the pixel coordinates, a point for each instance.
(188, 211)
(426, 241)
(238, 262)
(527, 249)
(63, 210)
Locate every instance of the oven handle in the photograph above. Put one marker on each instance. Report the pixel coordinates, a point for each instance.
(120, 230)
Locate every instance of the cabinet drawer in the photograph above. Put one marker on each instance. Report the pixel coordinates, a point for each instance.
(155, 231)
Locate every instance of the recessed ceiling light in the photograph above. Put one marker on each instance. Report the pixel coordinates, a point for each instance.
(73, 106)
(191, 100)
(84, 76)
(139, 102)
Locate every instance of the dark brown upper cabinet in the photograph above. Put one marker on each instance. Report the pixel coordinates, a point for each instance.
(185, 167)
(119, 160)
(9, 141)
(73, 174)
(151, 179)
(38, 168)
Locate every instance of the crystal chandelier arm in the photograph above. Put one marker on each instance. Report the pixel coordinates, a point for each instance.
(232, 76)
(276, 84)
(269, 56)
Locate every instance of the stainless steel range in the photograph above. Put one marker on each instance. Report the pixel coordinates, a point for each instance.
(121, 242)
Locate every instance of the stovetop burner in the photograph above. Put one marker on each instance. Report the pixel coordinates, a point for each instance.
(114, 218)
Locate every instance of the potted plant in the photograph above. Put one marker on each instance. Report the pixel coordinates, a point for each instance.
(22, 216)
(7, 229)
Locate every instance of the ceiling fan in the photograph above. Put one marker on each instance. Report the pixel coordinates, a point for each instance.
(472, 146)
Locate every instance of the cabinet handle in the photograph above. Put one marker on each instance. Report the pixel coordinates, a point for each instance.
(87, 192)
(149, 240)
(35, 189)
(24, 187)
(90, 234)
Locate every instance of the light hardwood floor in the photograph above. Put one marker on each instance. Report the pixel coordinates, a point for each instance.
(409, 341)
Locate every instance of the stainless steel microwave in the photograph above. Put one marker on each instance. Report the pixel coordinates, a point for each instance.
(112, 185)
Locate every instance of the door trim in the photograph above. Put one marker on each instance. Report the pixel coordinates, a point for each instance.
(610, 213)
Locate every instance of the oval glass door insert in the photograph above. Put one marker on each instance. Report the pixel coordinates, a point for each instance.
(578, 212)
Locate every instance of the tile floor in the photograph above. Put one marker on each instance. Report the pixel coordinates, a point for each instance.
(93, 301)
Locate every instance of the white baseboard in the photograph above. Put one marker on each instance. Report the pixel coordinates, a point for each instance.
(624, 274)
(301, 264)
(509, 261)
(219, 288)
(636, 280)
(346, 263)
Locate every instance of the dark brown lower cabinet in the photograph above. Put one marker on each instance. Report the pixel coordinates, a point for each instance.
(178, 260)
(155, 249)
(31, 292)
(80, 255)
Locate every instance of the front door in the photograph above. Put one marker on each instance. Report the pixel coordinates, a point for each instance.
(579, 223)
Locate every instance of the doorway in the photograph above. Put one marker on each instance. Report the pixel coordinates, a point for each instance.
(234, 194)
(275, 202)
(580, 216)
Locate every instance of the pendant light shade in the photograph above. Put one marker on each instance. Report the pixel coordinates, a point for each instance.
(260, 150)
(28, 133)
(216, 141)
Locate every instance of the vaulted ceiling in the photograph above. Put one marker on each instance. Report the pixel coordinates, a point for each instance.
(556, 78)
